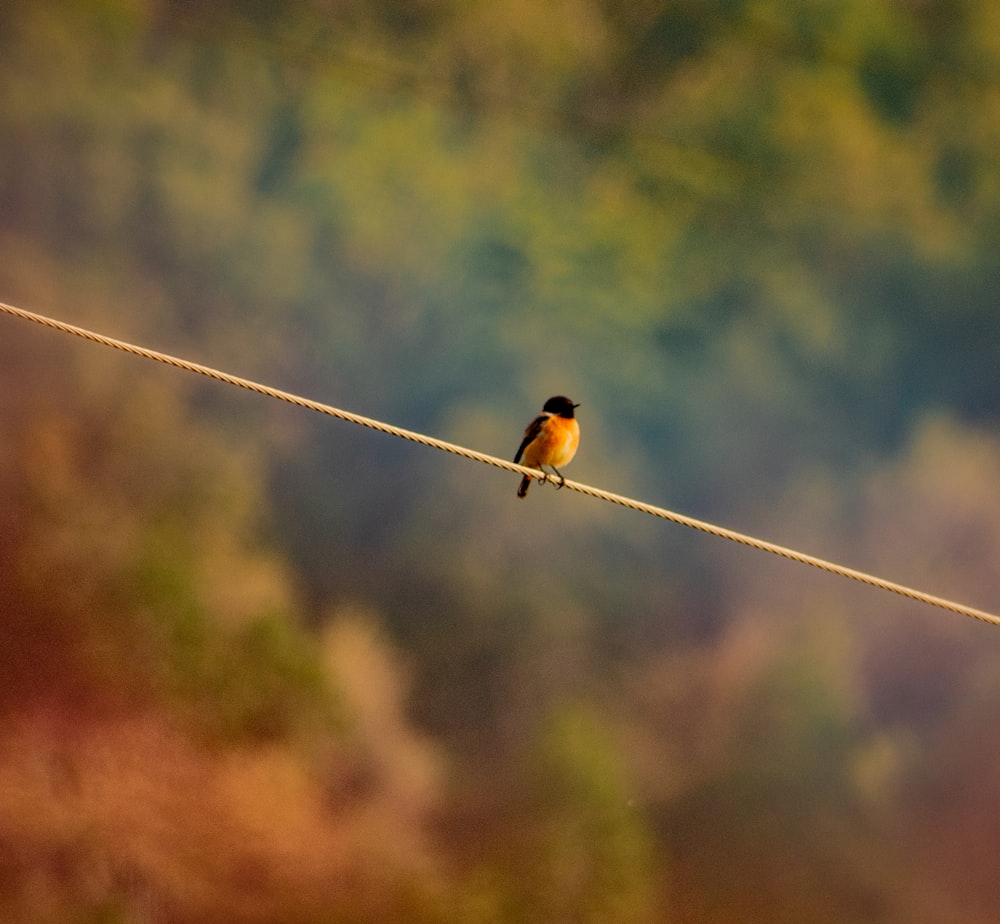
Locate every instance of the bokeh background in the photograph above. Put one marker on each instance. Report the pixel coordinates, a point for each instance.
(258, 665)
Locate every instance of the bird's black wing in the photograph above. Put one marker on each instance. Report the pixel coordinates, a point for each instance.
(534, 428)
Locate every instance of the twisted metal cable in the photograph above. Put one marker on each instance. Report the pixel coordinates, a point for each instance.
(710, 528)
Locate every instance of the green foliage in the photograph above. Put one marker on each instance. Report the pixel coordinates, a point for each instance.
(114, 554)
(757, 241)
(593, 859)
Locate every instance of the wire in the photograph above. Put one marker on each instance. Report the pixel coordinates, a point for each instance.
(424, 440)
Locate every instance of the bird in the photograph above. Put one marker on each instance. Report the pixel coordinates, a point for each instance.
(549, 440)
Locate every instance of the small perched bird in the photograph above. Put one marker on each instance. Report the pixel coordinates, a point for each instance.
(550, 439)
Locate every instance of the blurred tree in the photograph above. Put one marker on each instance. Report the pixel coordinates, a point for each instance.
(756, 241)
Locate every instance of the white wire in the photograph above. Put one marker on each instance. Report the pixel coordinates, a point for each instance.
(466, 453)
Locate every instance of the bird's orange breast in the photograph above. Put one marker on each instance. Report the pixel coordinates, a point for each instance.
(555, 445)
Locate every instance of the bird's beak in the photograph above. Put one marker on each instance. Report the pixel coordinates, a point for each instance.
(576, 405)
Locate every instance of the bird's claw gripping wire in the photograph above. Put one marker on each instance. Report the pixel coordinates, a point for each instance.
(546, 478)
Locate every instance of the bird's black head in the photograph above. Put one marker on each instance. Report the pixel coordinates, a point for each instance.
(560, 405)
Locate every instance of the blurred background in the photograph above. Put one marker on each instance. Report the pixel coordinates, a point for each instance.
(259, 665)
